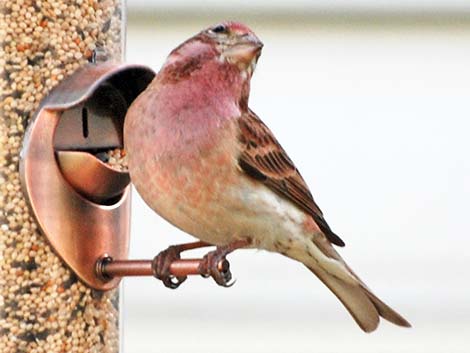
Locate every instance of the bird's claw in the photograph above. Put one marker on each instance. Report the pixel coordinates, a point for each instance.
(215, 265)
(173, 282)
(161, 267)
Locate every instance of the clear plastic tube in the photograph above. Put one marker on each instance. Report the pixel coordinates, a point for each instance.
(43, 307)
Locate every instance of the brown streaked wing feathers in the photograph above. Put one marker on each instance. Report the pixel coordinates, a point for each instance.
(264, 159)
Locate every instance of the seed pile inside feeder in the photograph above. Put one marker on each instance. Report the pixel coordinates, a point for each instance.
(43, 307)
(116, 158)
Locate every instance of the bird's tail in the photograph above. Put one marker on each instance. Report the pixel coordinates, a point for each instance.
(362, 304)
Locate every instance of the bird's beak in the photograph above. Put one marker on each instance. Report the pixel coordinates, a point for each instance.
(247, 48)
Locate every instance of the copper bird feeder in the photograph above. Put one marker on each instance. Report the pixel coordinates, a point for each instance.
(81, 204)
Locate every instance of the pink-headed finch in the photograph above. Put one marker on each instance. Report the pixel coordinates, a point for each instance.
(205, 162)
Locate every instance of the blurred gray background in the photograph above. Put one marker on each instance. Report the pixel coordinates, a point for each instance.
(371, 99)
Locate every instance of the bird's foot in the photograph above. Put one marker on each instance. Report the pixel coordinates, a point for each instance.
(161, 267)
(162, 263)
(215, 264)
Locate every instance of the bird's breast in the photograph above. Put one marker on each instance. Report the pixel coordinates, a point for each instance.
(183, 176)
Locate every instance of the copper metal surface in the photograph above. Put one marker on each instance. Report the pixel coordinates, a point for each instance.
(81, 227)
(91, 177)
(178, 268)
(103, 116)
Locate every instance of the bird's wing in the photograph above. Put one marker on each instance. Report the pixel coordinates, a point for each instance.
(263, 158)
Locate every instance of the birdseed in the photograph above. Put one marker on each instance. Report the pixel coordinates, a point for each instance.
(115, 158)
(43, 306)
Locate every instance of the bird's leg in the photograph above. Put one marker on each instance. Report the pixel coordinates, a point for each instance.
(210, 264)
(162, 262)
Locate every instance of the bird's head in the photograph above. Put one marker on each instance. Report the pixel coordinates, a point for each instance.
(229, 42)
(235, 43)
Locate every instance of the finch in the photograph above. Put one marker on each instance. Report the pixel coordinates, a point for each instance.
(204, 161)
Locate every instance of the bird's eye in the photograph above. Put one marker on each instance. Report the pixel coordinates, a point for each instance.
(219, 29)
